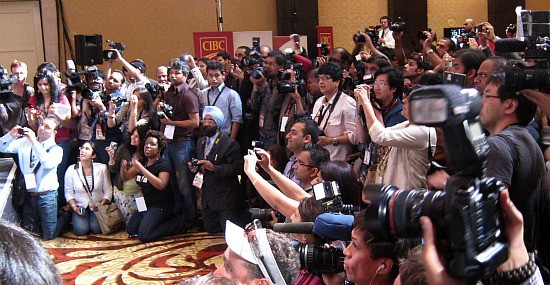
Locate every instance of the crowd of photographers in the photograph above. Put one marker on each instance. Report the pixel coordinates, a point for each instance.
(375, 117)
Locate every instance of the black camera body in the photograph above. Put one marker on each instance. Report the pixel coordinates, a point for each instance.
(466, 215)
(110, 54)
(372, 32)
(319, 260)
(398, 26)
(118, 100)
(422, 35)
(264, 215)
(328, 192)
(6, 82)
(285, 87)
(167, 110)
(195, 166)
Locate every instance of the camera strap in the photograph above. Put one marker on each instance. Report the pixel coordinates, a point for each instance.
(217, 97)
(330, 110)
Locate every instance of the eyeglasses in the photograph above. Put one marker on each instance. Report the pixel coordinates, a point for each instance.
(303, 164)
(380, 83)
(487, 97)
(324, 78)
(209, 121)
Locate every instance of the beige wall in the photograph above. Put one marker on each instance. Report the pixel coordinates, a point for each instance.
(448, 14)
(158, 30)
(537, 5)
(349, 16)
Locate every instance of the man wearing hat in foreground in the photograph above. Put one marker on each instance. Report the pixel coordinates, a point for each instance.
(258, 256)
(220, 161)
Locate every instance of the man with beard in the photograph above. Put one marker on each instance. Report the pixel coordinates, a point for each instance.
(220, 160)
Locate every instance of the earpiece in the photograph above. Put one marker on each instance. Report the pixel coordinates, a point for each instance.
(382, 266)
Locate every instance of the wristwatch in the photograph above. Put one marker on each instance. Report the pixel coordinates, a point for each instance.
(334, 141)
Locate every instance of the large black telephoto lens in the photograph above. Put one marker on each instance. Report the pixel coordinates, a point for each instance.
(319, 260)
(395, 213)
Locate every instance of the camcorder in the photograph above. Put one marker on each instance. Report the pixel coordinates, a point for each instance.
(166, 111)
(533, 71)
(398, 26)
(466, 215)
(76, 83)
(327, 228)
(372, 32)
(285, 87)
(110, 54)
(5, 82)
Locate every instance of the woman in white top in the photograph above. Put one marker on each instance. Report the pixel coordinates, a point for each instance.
(83, 178)
(407, 161)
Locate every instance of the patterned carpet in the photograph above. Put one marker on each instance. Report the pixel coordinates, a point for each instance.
(117, 259)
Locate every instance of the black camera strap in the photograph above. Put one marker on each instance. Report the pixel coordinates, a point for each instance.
(217, 97)
(330, 110)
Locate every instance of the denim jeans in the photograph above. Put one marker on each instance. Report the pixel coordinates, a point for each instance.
(153, 224)
(41, 212)
(85, 223)
(179, 154)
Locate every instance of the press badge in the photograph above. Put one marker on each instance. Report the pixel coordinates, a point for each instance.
(141, 178)
(140, 203)
(99, 133)
(198, 180)
(169, 132)
(261, 120)
(30, 181)
(284, 121)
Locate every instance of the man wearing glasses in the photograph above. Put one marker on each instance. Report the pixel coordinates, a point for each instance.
(334, 113)
(223, 97)
(220, 161)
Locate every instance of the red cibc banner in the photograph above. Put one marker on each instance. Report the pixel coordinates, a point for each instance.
(208, 44)
(325, 35)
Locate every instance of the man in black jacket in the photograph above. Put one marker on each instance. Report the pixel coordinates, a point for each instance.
(220, 161)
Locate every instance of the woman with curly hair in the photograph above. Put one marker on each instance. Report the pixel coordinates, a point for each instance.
(152, 174)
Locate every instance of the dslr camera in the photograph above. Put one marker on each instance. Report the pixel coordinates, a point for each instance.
(422, 35)
(372, 32)
(328, 193)
(195, 166)
(285, 87)
(466, 215)
(167, 111)
(325, 52)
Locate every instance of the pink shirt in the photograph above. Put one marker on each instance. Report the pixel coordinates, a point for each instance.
(63, 133)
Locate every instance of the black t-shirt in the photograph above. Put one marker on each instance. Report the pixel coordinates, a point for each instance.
(155, 198)
(525, 180)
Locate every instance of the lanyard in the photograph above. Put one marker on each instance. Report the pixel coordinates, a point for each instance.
(217, 97)
(329, 110)
(86, 180)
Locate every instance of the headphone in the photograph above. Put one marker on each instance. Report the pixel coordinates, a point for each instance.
(382, 266)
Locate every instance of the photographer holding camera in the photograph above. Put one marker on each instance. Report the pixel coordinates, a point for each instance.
(178, 127)
(266, 99)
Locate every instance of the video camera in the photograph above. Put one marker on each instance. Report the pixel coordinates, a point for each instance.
(372, 32)
(75, 82)
(466, 215)
(329, 227)
(109, 54)
(398, 26)
(6, 82)
(532, 40)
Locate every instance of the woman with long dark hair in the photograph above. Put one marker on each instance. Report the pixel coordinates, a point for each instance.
(125, 191)
(139, 111)
(84, 180)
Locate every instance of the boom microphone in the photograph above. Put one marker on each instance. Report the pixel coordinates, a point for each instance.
(294, 228)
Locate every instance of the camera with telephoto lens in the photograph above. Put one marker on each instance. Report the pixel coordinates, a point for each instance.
(398, 26)
(328, 193)
(264, 215)
(195, 166)
(466, 215)
(325, 52)
(251, 60)
(110, 54)
(319, 260)
(372, 32)
(257, 72)
(167, 111)
(285, 87)
(6, 82)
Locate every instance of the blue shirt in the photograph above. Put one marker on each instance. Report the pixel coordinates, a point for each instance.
(228, 101)
(46, 175)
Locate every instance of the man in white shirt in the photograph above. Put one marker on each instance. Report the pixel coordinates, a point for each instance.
(385, 34)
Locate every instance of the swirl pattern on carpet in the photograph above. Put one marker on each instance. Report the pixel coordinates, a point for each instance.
(117, 259)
